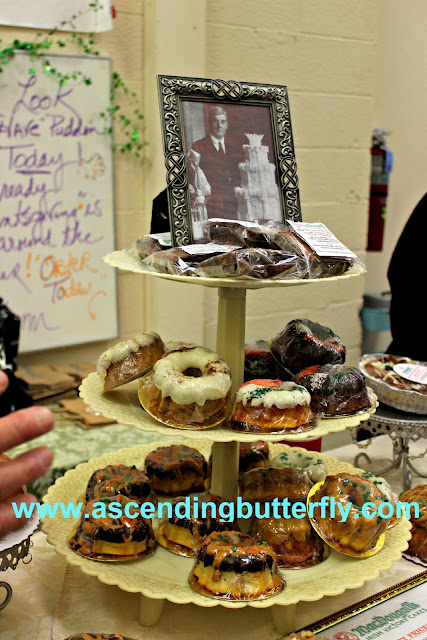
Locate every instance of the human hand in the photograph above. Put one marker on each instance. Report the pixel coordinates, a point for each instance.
(16, 428)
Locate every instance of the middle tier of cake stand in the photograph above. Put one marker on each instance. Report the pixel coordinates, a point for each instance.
(164, 575)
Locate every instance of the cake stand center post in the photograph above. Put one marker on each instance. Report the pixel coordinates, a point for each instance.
(230, 344)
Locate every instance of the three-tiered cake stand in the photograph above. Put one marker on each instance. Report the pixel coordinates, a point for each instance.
(164, 576)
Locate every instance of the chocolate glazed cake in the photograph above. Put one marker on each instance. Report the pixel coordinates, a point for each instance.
(118, 479)
(234, 566)
(335, 389)
(304, 343)
(176, 469)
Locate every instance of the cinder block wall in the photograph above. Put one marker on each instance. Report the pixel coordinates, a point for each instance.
(325, 53)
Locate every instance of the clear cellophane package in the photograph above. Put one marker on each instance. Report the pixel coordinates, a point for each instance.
(212, 261)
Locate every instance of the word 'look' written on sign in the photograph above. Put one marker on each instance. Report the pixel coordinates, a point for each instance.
(56, 204)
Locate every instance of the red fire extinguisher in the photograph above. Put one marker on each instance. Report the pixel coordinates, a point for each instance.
(382, 163)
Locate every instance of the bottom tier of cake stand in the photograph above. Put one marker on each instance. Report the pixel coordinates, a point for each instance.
(164, 575)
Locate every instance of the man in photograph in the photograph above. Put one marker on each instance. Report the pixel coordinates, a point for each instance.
(219, 159)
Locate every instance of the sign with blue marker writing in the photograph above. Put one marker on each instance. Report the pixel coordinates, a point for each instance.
(56, 201)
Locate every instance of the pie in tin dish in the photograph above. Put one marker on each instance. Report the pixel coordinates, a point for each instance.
(391, 388)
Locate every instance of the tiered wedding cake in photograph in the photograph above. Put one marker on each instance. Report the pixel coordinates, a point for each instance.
(258, 197)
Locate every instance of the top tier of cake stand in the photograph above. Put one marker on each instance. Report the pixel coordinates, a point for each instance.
(129, 261)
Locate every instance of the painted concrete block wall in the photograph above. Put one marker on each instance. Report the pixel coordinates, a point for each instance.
(325, 53)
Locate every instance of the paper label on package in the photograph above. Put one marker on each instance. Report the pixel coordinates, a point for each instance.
(412, 372)
(164, 239)
(202, 249)
(244, 223)
(402, 617)
(321, 240)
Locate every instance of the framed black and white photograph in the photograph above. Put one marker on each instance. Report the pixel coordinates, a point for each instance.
(229, 154)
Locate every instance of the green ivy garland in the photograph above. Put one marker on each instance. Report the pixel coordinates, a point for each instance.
(130, 126)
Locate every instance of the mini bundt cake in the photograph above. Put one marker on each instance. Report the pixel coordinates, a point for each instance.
(304, 343)
(234, 566)
(357, 534)
(335, 389)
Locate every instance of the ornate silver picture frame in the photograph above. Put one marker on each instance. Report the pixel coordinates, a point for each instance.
(229, 153)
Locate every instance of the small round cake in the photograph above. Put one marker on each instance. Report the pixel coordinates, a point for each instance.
(129, 358)
(192, 519)
(304, 343)
(385, 489)
(111, 534)
(418, 543)
(118, 479)
(358, 534)
(315, 468)
(259, 485)
(176, 470)
(271, 406)
(189, 388)
(294, 540)
(335, 389)
(234, 566)
(260, 363)
(253, 455)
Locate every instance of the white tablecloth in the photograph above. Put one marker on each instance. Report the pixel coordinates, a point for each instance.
(49, 603)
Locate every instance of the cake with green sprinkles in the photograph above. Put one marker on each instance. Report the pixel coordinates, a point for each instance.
(358, 531)
(272, 406)
(335, 389)
(233, 566)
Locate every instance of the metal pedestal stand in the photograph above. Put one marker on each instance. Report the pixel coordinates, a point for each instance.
(402, 429)
(9, 559)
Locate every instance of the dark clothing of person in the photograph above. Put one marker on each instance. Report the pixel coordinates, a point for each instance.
(406, 275)
(222, 172)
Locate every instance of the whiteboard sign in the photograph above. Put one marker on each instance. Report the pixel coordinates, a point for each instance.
(56, 202)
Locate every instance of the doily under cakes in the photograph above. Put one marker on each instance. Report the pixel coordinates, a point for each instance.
(164, 575)
(122, 404)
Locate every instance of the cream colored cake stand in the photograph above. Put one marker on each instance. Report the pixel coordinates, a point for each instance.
(164, 575)
(122, 404)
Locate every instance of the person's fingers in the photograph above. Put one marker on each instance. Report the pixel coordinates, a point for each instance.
(4, 382)
(23, 469)
(8, 519)
(24, 425)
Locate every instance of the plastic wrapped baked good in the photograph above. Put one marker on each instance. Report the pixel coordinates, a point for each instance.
(335, 389)
(274, 235)
(418, 543)
(176, 469)
(253, 455)
(294, 541)
(105, 532)
(304, 343)
(196, 517)
(315, 468)
(359, 534)
(234, 566)
(271, 406)
(260, 363)
(251, 262)
(189, 388)
(119, 479)
(267, 484)
(213, 261)
(129, 359)
(146, 245)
